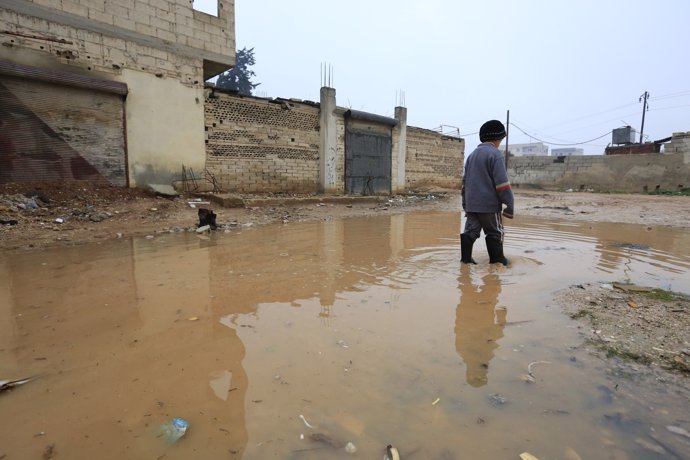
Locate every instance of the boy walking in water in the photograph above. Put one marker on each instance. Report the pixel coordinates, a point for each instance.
(485, 189)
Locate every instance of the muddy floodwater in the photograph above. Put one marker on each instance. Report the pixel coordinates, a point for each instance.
(290, 341)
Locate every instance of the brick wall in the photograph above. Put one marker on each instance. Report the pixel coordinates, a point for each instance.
(433, 159)
(259, 145)
(256, 145)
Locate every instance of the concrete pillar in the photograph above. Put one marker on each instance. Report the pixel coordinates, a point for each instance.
(400, 153)
(328, 142)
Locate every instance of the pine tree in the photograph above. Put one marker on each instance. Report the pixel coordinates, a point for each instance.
(239, 78)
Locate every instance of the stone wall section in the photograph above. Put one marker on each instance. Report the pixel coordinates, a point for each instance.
(433, 159)
(258, 145)
(680, 143)
(625, 173)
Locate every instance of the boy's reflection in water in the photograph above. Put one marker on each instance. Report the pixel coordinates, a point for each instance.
(478, 324)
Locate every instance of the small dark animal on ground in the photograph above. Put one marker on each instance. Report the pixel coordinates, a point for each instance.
(207, 217)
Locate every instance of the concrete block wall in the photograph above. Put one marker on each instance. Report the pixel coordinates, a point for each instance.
(433, 159)
(166, 38)
(257, 145)
(626, 173)
(680, 143)
(340, 154)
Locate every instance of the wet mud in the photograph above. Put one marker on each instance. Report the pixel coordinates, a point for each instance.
(332, 340)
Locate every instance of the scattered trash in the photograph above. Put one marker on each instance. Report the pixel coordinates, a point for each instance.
(306, 423)
(205, 228)
(326, 439)
(193, 318)
(631, 287)
(678, 430)
(632, 304)
(434, 402)
(60, 220)
(342, 344)
(174, 429)
(529, 368)
(391, 453)
(9, 384)
(527, 456)
(571, 454)
(193, 204)
(8, 222)
(527, 378)
(207, 218)
(350, 448)
(49, 451)
(497, 399)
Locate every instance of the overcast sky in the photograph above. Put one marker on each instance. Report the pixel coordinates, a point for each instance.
(568, 71)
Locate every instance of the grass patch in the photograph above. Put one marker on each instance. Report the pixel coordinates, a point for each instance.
(581, 313)
(682, 192)
(667, 296)
(660, 294)
(612, 352)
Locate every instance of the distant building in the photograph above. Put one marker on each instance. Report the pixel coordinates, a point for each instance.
(529, 150)
(567, 152)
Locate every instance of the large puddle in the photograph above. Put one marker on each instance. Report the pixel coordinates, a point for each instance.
(290, 341)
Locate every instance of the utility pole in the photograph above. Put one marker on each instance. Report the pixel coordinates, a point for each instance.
(645, 96)
(507, 132)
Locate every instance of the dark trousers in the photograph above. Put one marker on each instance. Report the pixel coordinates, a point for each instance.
(491, 223)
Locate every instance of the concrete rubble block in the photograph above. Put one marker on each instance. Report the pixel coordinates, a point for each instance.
(165, 190)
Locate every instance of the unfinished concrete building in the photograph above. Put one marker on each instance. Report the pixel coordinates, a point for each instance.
(107, 90)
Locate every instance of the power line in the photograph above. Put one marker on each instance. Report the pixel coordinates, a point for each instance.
(667, 108)
(554, 143)
(591, 115)
(671, 95)
(656, 98)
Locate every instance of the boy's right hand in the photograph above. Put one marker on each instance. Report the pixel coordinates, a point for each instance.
(508, 213)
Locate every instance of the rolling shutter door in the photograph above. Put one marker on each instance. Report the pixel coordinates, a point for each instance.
(64, 130)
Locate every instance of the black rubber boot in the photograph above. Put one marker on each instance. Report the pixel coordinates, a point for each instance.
(466, 244)
(495, 249)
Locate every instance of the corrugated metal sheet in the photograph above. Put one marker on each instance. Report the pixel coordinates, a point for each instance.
(368, 157)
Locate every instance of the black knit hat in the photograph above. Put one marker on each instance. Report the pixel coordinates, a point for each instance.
(492, 130)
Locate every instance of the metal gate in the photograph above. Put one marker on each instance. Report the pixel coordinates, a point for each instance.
(368, 153)
(60, 131)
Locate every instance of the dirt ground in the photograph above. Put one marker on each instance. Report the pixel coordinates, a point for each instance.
(41, 215)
